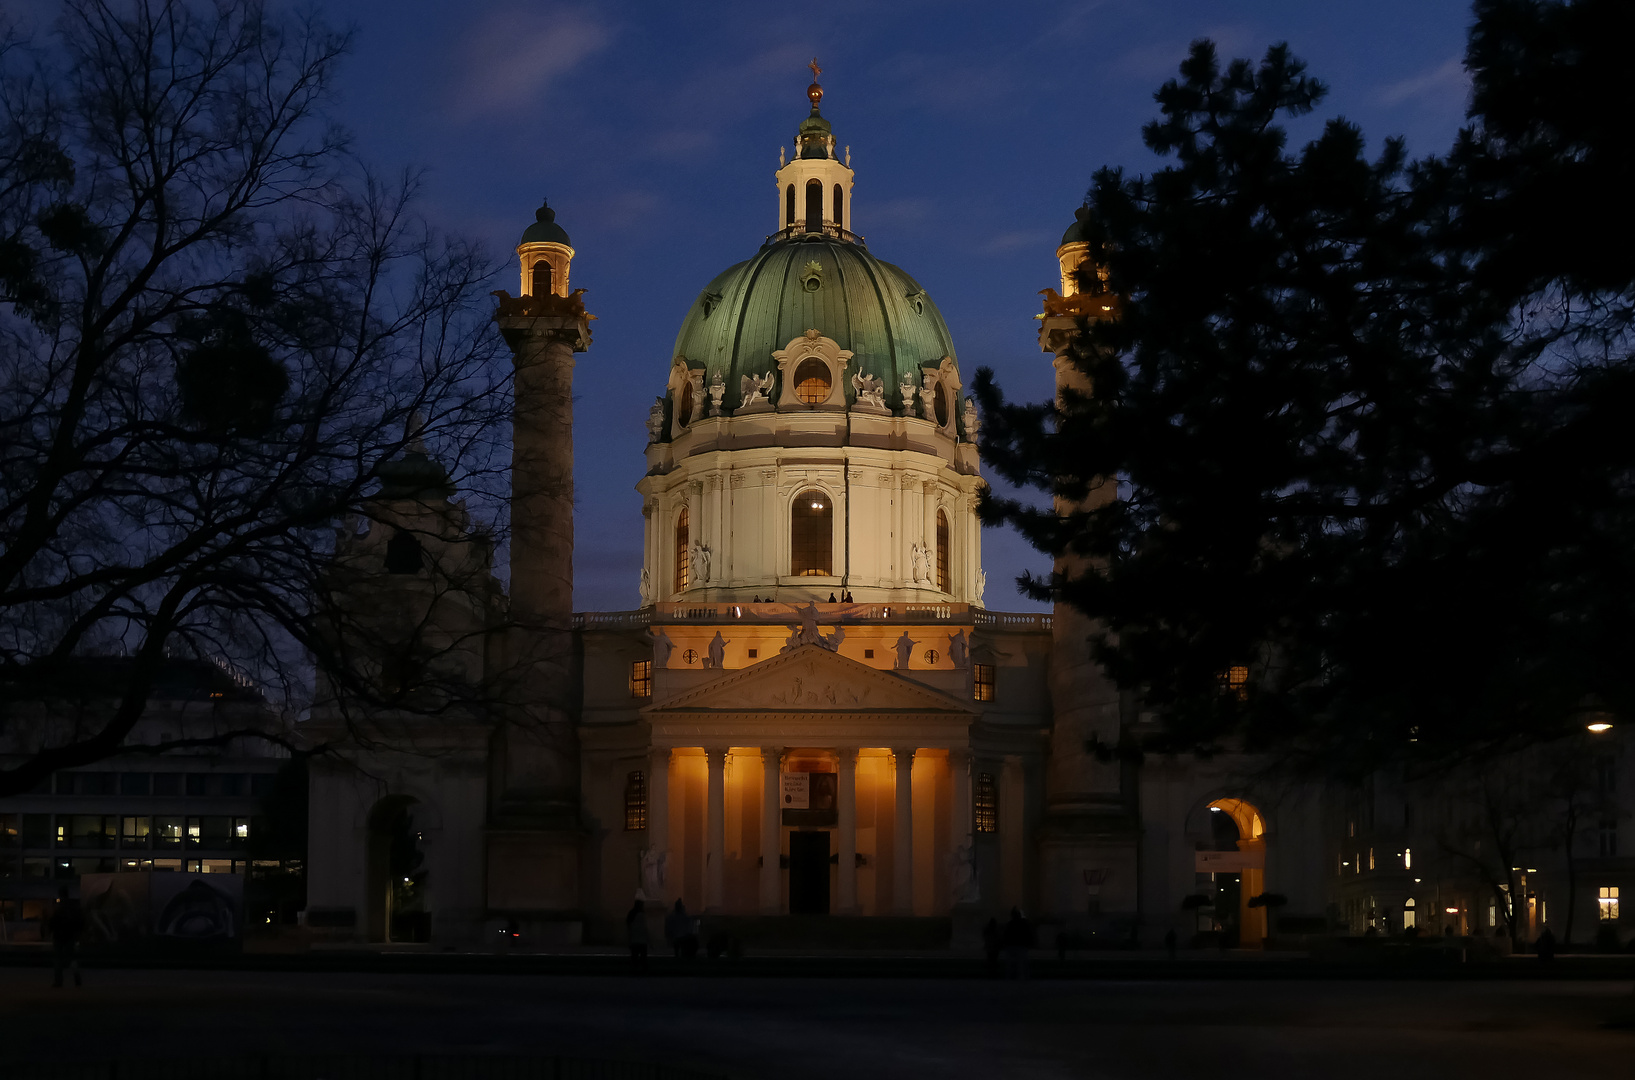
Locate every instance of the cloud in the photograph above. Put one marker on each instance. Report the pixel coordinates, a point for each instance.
(1447, 80)
(511, 56)
(1016, 240)
(1162, 59)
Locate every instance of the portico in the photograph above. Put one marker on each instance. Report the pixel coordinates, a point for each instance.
(805, 743)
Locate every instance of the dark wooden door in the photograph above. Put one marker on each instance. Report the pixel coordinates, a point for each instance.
(809, 873)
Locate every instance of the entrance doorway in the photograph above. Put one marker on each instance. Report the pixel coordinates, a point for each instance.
(809, 873)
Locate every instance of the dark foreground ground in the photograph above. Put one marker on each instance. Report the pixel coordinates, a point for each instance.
(841, 1028)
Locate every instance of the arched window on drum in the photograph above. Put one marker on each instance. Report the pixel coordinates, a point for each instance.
(682, 567)
(811, 535)
(942, 550)
(542, 279)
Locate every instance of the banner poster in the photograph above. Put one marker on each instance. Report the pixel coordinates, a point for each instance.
(797, 790)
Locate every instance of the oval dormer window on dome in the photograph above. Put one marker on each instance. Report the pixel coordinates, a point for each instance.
(812, 383)
(684, 408)
(811, 535)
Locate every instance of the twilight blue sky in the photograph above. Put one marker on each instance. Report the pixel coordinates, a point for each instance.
(974, 128)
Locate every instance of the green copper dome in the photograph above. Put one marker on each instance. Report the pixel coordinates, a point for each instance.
(544, 230)
(819, 282)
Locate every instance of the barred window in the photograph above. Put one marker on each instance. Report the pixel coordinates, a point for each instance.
(986, 803)
(682, 567)
(982, 682)
(811, 534)
(641, 679)
(635, 801)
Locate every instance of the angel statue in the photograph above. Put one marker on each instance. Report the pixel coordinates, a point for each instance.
(922, 563)
(871, 392)
(753, 389)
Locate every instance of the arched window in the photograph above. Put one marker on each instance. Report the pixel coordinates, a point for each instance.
(814, 206)
(811, 535)
(682, 566)
(684, 408)
(942, 550)
(840, 204)
(789, 205)
(941, 405)
(542, 279)
(404, 554)
(812, 381)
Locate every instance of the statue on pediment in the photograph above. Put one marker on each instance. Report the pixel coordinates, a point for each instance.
(957, 651)
(662, 648)
(905, 651)
(716, 655)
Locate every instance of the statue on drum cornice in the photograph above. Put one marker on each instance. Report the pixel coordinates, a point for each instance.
(871, 393)
(922, 563)
(973, 423)
(907, 392)
(718, 390)
(981, 583)
(698, 556)
(655, 420)
(755, 390)
(647, 587)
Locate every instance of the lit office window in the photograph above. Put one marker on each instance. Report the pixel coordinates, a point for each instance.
(635, 801)
(986, 803)
(1606, 904)
(982, 682)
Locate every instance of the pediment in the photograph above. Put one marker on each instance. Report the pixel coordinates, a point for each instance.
(811, 679)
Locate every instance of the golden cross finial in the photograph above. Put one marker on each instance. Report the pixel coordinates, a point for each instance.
(816, 71)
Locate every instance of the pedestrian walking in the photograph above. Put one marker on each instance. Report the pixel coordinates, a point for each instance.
(1545, 945)
(67, 924)
(991, 943)
(635, 928)
(680, 930)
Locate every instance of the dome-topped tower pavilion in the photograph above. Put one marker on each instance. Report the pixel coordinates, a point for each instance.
(812, 438)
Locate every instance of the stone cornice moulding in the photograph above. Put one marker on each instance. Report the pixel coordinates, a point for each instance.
(811, 680)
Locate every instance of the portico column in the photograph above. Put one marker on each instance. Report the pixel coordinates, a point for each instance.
(715, 844)
(902, 840)
(959, 811)
(846, 793)
(771, 832)
(658, 814)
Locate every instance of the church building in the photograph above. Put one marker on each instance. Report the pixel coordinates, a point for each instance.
(812, 713)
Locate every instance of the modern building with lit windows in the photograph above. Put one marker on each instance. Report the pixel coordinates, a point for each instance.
(195, 811)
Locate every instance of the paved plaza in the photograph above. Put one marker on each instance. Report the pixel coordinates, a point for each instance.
(847, 1028)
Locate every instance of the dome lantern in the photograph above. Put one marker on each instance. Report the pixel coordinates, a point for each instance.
(815, 186)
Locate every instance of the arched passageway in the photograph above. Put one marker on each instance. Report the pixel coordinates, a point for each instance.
(1234, 857)
(398, 908)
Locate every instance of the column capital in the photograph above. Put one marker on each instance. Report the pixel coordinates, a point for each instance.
(903, 753)
(846, 755)
(959, 755)
(717, 754)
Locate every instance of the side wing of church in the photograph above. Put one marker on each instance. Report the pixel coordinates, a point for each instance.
(812, 712)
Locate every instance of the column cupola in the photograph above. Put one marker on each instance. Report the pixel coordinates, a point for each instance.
(545, 255)
(815, 186)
